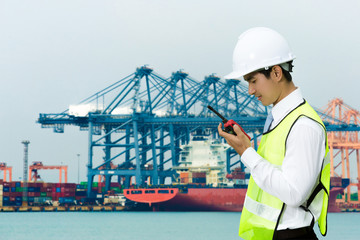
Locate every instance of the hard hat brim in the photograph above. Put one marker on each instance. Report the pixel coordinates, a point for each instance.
(240, 74)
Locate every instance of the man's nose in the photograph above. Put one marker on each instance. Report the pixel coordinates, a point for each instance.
(251, 90)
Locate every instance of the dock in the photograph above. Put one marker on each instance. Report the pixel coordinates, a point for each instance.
(62, 208)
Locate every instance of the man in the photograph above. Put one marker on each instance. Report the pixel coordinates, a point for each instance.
(290, 172)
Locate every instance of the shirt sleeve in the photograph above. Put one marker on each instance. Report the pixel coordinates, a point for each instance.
(292, 182)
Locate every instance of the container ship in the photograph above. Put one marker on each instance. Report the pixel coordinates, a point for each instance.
(203, 184)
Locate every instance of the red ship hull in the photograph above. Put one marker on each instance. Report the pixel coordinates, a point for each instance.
(195, 199)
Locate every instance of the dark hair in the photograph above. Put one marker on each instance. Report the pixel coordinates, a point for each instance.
(287, 74)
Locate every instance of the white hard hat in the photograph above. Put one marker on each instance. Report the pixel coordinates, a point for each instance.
(259, 48)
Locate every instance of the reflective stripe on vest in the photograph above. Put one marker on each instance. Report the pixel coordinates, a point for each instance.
(262, 211)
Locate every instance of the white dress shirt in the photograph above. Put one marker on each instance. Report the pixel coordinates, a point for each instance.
(295, 180)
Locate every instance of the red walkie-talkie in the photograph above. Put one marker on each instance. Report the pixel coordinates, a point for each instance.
(228, 124)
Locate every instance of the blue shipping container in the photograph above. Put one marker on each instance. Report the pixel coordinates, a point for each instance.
(18, 184)
(344, 182)
(66, 200)
(8, 203)
(58, 189)
(6, 199)
(80, 186)
(80, 193)
(6, 189)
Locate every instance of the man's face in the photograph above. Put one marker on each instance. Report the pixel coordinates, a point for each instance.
(265, 89)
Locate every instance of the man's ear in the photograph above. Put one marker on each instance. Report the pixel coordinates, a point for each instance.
(277, 72)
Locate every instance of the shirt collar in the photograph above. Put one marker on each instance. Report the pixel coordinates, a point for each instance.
(282, 108)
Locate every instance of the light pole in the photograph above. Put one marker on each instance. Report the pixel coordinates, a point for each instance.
(78, 155)
(25, 175)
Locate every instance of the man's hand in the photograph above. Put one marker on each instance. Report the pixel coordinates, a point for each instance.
(240, 142)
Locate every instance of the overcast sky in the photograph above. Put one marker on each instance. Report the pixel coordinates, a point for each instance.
(56, 53)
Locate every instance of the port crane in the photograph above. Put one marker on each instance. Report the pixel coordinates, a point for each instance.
(342, 146)
(7, 171)
(144, 119)
(33, 169)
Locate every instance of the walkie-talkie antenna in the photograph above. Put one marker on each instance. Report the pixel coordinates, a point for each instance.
(228, 124)
(216, 112)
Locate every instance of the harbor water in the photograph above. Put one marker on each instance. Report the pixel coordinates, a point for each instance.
(145, 226)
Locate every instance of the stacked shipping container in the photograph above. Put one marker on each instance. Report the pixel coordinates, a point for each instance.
(39, 193)
(99, 187)
(238, 176)
(193, 177)
(64, 192)
(185, 177)
(12, 194)
(199, 177)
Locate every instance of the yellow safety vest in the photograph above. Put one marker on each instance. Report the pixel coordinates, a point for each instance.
(262, 211)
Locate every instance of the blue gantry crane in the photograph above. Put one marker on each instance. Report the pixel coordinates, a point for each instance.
(138, 123)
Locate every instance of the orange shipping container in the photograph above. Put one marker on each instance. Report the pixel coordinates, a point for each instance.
(184, 174)
(47, 185)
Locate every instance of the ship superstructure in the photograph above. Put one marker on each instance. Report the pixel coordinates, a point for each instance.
(203, 161)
